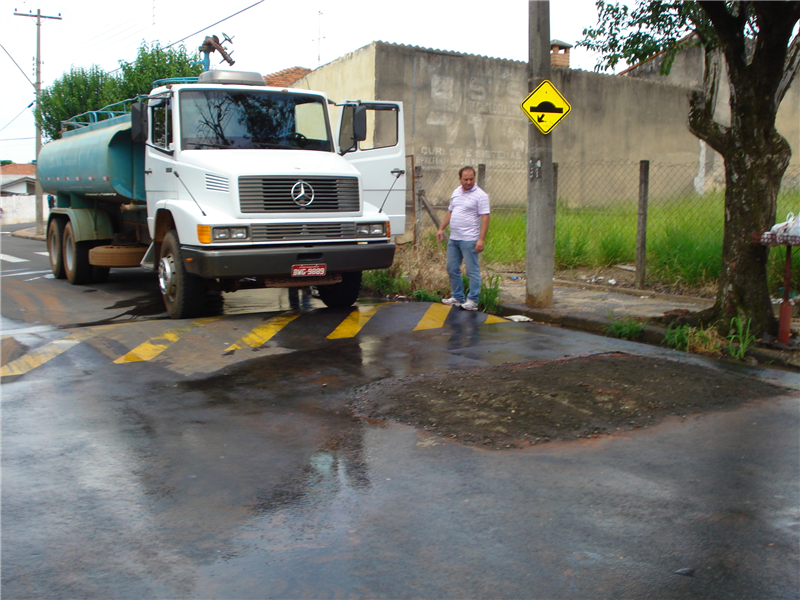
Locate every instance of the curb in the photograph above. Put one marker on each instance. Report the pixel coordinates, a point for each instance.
(651, 334)
(30, 234)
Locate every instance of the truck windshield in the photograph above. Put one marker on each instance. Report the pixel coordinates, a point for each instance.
(251, 120)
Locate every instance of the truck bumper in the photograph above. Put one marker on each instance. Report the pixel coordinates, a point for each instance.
(278, 261)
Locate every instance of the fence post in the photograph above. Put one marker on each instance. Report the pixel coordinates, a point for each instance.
(481, 176)
(641, 225)
(417, 173)
(555, 183)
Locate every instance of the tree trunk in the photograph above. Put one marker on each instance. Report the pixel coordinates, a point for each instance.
(756, 155)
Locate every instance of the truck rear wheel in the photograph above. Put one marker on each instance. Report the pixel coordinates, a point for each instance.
(183, 293)
(344, 293)
(55, 247)
(76, 258)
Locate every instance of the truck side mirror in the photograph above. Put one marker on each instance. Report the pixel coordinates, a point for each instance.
(139, 122)
(353, 127)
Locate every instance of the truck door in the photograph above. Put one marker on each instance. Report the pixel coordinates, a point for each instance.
(381, 158)
(159, 179)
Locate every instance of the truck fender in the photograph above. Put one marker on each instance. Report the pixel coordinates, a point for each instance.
(88, 223)
(184, 217)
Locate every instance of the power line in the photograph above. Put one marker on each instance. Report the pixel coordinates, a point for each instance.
(217, 23)
(20, 68)
(204, 29)
(15, 118)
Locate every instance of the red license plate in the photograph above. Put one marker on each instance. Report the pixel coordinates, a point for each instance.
(308, 270)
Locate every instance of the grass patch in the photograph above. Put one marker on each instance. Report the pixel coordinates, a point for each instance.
(625, 328)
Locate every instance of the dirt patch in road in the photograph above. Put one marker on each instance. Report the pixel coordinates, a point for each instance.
(519, 405)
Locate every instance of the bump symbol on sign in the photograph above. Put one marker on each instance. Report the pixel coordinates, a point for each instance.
(545, 106)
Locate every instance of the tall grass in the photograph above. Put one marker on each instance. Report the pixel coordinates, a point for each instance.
(684, 239)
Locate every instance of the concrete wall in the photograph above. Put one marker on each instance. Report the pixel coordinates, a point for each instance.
(350, 77)
(465, 109)
(21, 209)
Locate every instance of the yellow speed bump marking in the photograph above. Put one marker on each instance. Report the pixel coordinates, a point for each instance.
(494, 319)
(355, 321)
(41, 355)
(263, 332)
(155, 346)
(434, 317)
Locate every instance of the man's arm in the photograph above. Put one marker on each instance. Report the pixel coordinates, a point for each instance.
(484, 230)
(445, 223)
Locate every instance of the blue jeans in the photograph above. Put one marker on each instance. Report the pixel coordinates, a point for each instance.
(458, 251)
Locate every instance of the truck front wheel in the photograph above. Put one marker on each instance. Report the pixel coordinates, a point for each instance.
(76, 258)
(55, 247)
(344, 293)
(183, 293)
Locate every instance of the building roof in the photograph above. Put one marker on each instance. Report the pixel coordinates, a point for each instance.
(286, 77)
(17, 169)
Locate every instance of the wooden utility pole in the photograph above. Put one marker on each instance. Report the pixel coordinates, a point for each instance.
(39, 16)
(540, 252)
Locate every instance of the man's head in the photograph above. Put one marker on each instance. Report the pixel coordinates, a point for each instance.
(467, 178)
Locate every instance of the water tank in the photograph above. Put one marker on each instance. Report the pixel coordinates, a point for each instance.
(96, 159)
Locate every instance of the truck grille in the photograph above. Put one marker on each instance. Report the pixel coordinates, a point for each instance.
(274, 194)
(290, 232)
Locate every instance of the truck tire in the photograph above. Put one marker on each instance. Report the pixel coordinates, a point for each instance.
(117, 256)
(55, 247)
(183, 293)
(341, 294)
(76, 258)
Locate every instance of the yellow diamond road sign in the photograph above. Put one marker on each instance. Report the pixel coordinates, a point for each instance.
(545, 106)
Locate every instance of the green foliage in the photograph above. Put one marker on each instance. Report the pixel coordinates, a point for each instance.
(490, 294)
(680, 255)
(385, 282)
(613, 248)
(741, 340)
(85, 89)
(73, 93)
(152, 63)
(651, 27)
(425, 296)
(626, 328)
(677, 337)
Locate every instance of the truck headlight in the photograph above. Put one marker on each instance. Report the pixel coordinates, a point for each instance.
(371, 230)
(226, 234)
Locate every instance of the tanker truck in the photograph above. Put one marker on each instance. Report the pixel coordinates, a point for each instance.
(223, 183)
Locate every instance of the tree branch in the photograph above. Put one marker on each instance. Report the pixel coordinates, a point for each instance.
(789, 70)
(702, 105)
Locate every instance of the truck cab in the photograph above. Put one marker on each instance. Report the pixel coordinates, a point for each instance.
(223, 183)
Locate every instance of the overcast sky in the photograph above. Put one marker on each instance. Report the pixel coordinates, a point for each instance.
(271, 36)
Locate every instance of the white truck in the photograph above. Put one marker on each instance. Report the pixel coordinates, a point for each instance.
(222, 183)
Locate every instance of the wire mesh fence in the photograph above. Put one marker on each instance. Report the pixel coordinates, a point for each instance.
(597, 211)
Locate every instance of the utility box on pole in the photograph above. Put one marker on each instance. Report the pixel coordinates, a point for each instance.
(540, 252)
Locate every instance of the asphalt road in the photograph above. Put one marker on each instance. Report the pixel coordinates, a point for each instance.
(148, 458)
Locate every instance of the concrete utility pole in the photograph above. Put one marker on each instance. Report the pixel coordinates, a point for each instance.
(540, 252)
(39, 16)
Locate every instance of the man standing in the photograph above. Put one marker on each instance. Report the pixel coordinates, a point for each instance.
(468, 218)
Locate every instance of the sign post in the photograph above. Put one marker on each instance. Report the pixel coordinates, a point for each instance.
(540, 249)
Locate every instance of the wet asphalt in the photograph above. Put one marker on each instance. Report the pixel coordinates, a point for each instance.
(254, 481)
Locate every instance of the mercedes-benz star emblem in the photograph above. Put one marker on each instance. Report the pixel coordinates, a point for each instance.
(302, 193)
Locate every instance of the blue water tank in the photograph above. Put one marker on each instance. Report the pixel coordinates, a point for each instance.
(97, 159)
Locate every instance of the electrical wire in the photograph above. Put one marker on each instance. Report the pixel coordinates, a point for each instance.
(217, 23)
(20, 68)
(15, 118)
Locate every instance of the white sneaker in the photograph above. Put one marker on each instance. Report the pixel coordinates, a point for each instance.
(452, 302)
(470, 305)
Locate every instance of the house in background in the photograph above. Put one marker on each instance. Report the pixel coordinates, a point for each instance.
(17, 180)
(18, 193)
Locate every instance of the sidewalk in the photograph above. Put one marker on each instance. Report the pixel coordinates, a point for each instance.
(592, 308)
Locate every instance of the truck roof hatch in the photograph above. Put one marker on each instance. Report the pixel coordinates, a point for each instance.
(232, 77)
